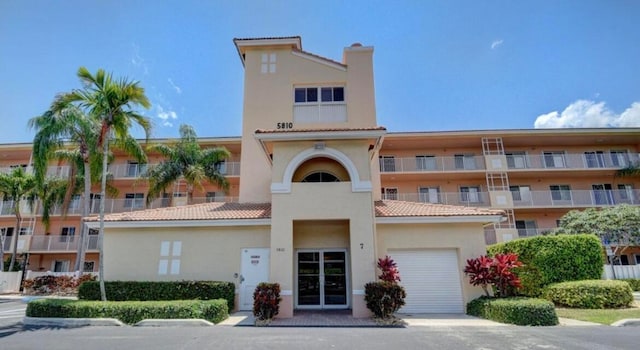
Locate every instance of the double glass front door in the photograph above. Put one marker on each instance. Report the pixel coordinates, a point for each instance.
(322, 279)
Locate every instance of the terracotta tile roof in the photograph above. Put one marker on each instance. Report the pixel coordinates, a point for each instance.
(244, 211)
(204, 211)
(389, 208)
(270, 38)
(276, 131)
(321, 58)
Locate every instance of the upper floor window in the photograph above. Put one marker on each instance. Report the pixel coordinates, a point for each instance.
(268, 63)
(320, 176)
(134, 200)
(619, 158)
(319, 104)
(390, 193)
(67, 234)
(594, 159)
(387, 164)
(470, 194)
(135, 169)
(465, 161)
(429, 194)
(554, 159)
(560, 192)
(425, 163)
(516, 160)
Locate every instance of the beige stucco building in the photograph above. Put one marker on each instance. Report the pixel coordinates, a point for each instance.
(319, 191)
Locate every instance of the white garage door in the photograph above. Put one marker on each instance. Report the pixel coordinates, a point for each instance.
(431, 279)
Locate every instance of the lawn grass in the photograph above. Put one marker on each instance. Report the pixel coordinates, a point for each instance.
(603, 316)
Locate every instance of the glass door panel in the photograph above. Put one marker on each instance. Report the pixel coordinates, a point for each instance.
(335, 278)
(308, 278)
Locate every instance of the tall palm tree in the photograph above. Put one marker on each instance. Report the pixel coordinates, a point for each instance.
(66, 132)
(17, 185)
(111, 102)
(186, 160)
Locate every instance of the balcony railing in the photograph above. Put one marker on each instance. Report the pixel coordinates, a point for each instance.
(468, 199)
(530, 232)
(134, 204)
(133, 171)
(431, 164)
(51, 243)
(575, 198)
(571, 161)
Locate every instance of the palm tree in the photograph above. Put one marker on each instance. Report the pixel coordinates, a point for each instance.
(631, 170)
(111, 103)
(186, 160)
(65, 125)
(17, 185)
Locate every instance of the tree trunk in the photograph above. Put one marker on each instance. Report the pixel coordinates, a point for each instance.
(85, 212)
(16, 235)
(103, 190)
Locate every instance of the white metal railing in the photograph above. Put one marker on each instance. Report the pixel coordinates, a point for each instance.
(48, 243)
(575, 198)
(431, 164)
(133, 171)
(571, 161)
(621, 271)
(469, 199)
(531, 232)
(53, 170)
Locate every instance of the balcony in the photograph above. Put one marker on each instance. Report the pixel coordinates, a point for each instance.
(574, 198)
(421, 164)
(570, 161)
(59, 243)
(135, 171)
(467, 199)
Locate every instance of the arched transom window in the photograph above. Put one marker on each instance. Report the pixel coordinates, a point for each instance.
(320, 169)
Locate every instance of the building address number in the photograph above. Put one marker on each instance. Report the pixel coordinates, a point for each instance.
(284, 125)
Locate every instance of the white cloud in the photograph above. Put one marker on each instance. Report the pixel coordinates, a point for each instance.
(589, 114)
(166, 116)
(496, 43)
(174, 86)
(137, 60)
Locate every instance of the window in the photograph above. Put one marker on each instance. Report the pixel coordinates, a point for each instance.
(268, 63)
(75, 203)
(429, 194)
(170, 252)
(390, 193)
(327, 94)
(470, 194)
(320, 176)
(67, 234)
(425, 163)
(7, 233)
(135, 169)
(554, 159)
(166, 200)
(214, 197)
(25, 230)
(619, 158)
(602, 194)
(93, 239)
(637, 258)
(387, 164)
(594, 159)
(517, 160)
(89, 266)
(319, 104)
(560, 192)
(221, 167)
(332, 94)
(134, 200)
(61, 266)
(520, 193)
(95, 202)
(303, 95)
(526, 228)
(465, 161)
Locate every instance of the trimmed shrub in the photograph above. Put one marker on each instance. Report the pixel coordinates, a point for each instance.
(634, 283)
(592, 294)
(553, 259)
(173, 290)
(384, 298)
(130, 312)
(496, 272)
(518, 310)
(266, 301)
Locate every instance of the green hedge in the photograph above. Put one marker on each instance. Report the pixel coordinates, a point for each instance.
(634, 283)
(520, 311)
(592, 294)
(553, 259)
(175, 290)
(130, 312)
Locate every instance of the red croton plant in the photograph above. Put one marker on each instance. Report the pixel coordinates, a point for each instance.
(389, 270)
(496, 272)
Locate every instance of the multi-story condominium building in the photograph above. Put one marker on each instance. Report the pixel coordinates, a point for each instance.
(318, 191)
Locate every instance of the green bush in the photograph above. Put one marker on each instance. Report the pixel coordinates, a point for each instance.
(553, 259)
(591, 294)
(176, 290)
(634, 283)
(520, 311)
(130, 312)
(384, 298)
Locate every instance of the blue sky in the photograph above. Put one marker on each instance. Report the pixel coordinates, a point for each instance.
(438, 65)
